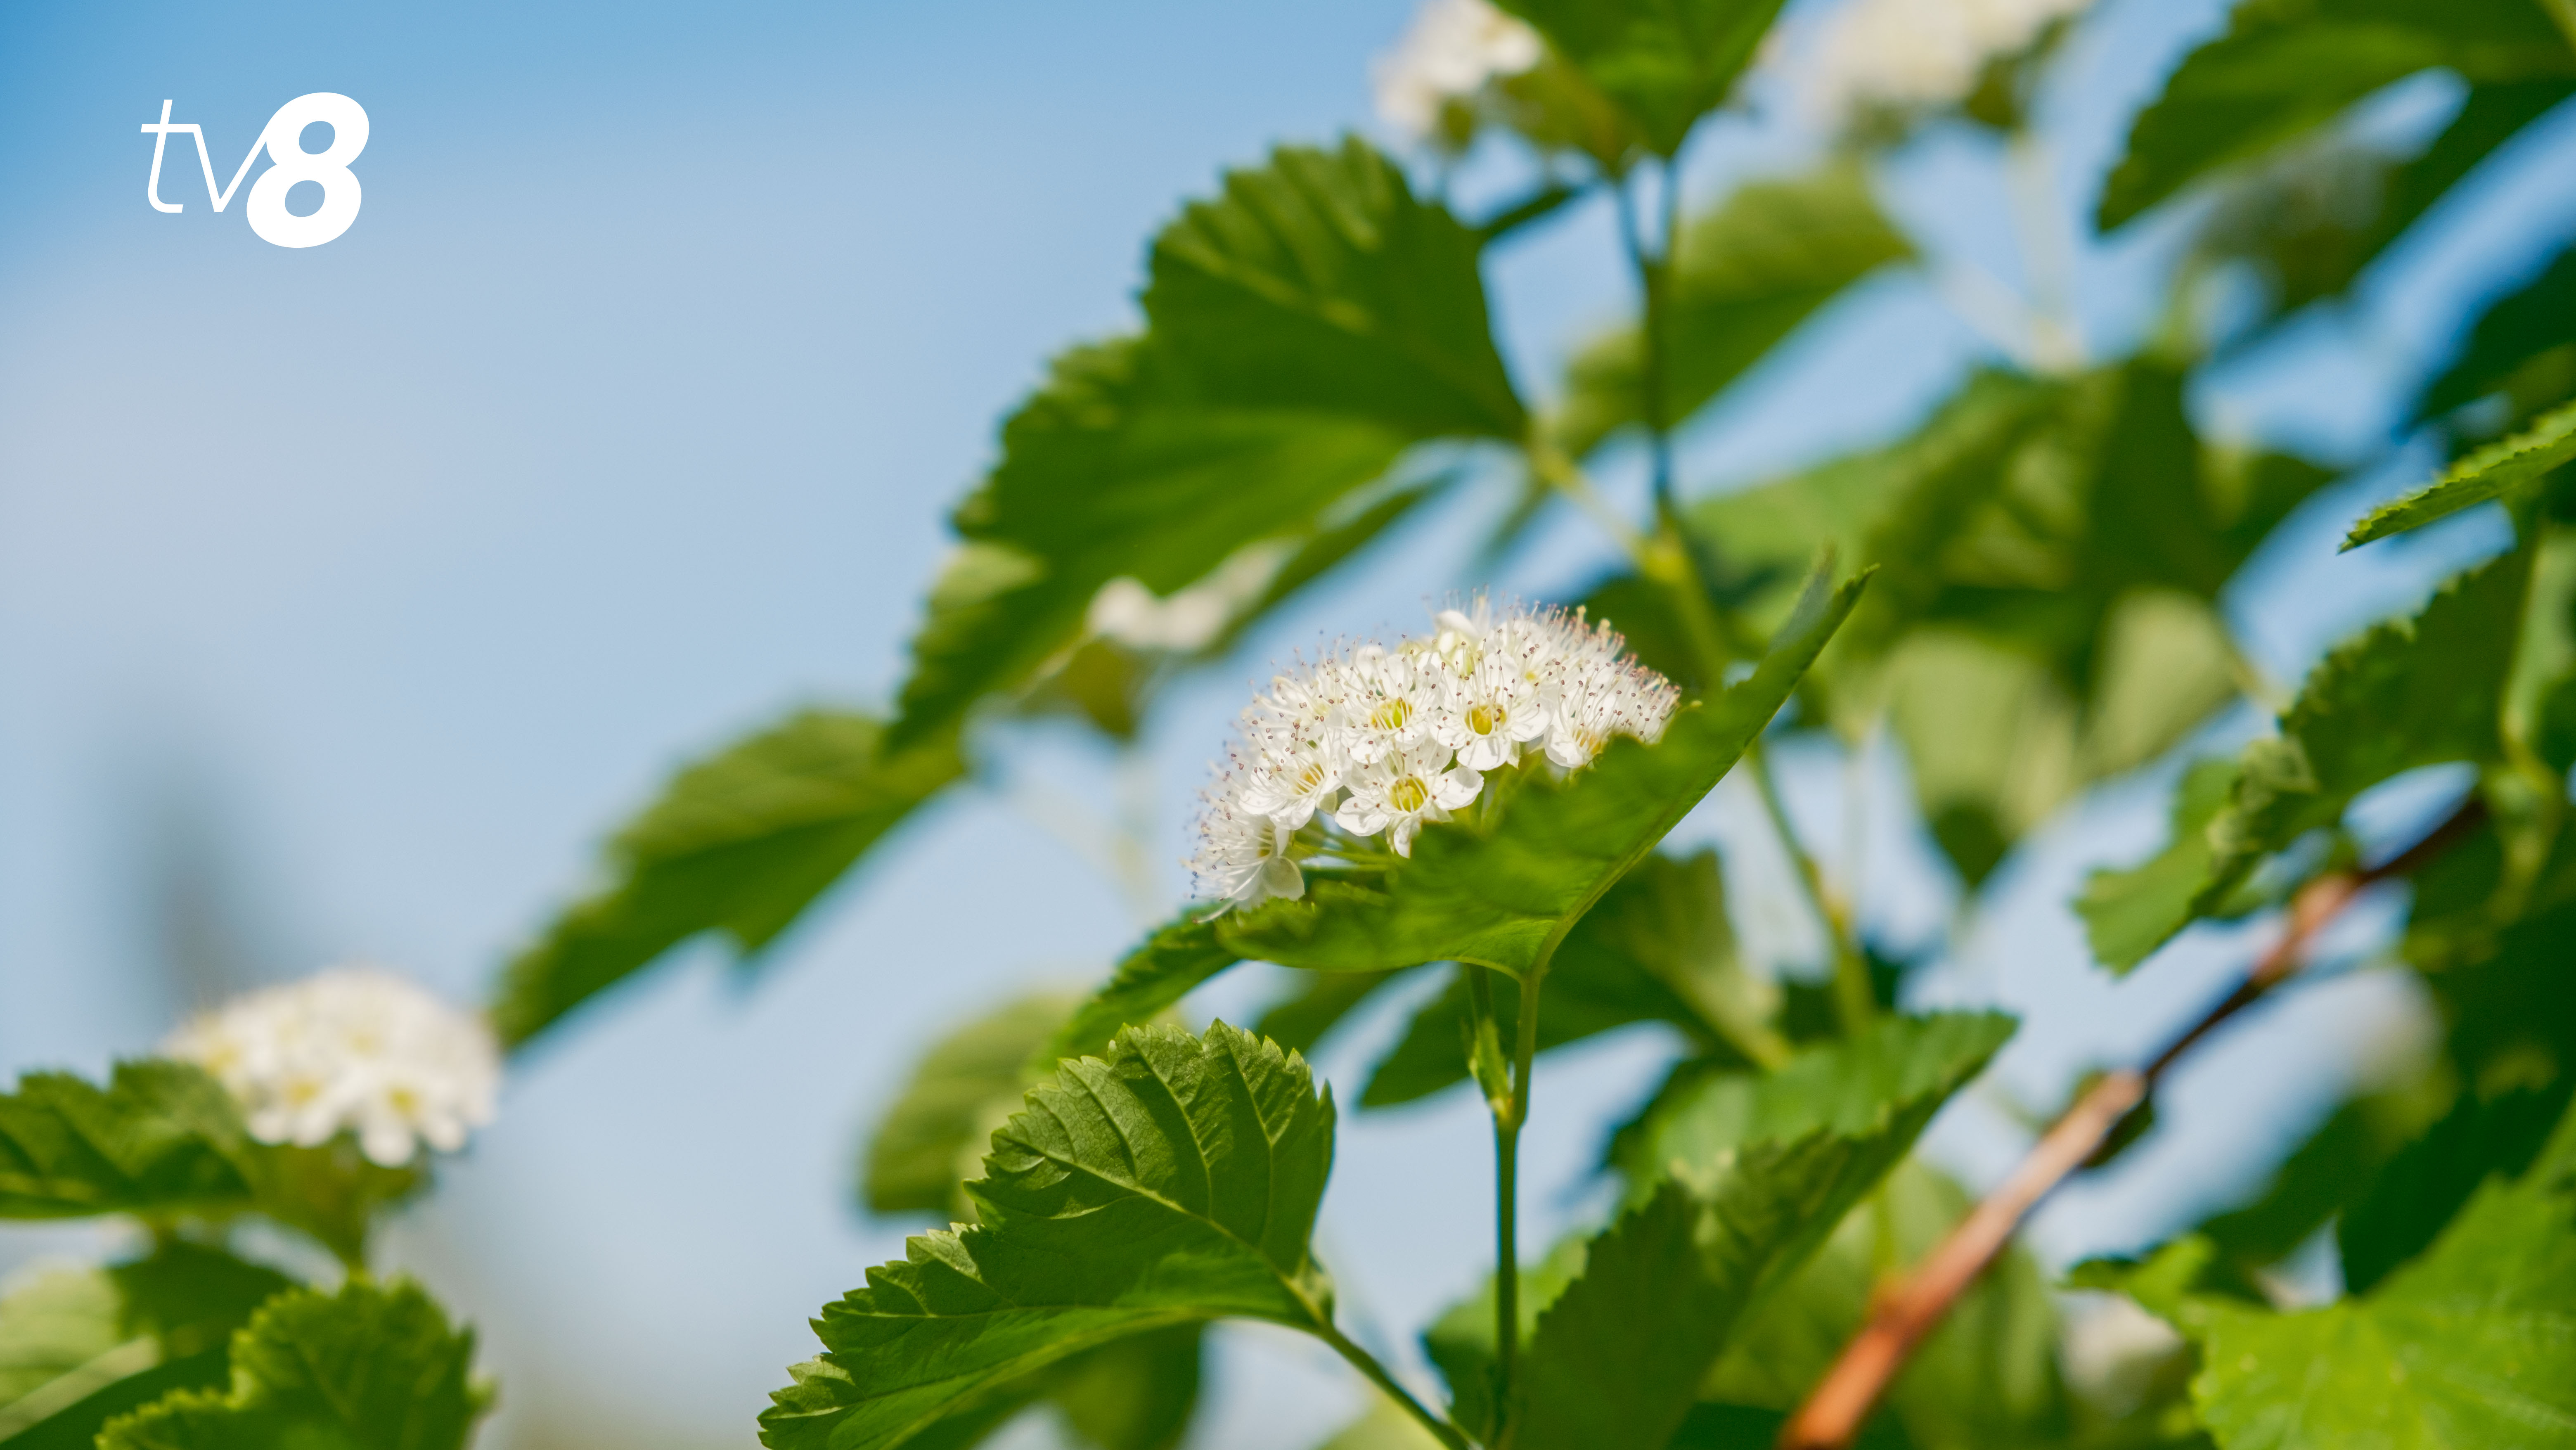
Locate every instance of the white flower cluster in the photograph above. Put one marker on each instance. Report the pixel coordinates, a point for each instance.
(356, 1048)
(1880, 55)
(1451, 50)
(1382, 740)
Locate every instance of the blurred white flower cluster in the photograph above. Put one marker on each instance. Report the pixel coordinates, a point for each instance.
(355, 1048)
(1894, 55)
(1452, 49)
(1383, 740)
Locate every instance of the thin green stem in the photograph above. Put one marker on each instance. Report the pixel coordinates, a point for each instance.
(1366, 1363)
(1508, 1123)
(1855, 1003)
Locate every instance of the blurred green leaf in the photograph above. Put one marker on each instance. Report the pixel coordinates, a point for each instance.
(371, 1367)
(1986, 1377)
(1656, 949)
(1745, 275)
(2523, 347)
(1382, 1427)
(2492, 472)
(2472, 1344)
(1759, 1177)
(740, 843)
(1176, 958)
(1317, 1003)
(160, 1138)
(168, 1323)
(2285, 67)
(1665, 63)
(929, 1141)
(1174, 1181)
(191, 1297)
(54, 1324)
(1506, 896)
(2425, 1183)
(1136, 1393)
(2128, 914)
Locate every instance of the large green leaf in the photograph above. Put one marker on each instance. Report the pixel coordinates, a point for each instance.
(372, 1367)
(1656, 949)
(739, 843)
(1665, 63)
(160, 1138)
(2425, 1183)
(1302, 329)
(2287, 66)
(54, 1325)
(1174, 1181)
(930, 1140)
(1743, 277)
(1504, 895)
(2492, 472)
(2472, 1344)
(2128, 914)
(1756, 1176)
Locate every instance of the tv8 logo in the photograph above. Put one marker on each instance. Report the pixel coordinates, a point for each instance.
(283, 139)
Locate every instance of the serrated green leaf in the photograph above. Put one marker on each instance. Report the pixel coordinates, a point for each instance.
(372, 1367)
(927, 1144)
(739, 843)
(1172, 1182)
(2490, 473)
(2128, 914)
(2285, 67)
(1175, 959)
(1656, 949)
(1302, 329)
(1664, 63)
(122, 1338)
(160, 1138)
(2472, 1344)
(1506, 898)
(1744, 276)
(1755, 1174)
(122, 1389)
(191, 1297)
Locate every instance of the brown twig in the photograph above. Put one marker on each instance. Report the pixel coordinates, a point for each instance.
(1905, 1312)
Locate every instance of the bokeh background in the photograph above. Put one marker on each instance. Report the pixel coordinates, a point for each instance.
(349, 595)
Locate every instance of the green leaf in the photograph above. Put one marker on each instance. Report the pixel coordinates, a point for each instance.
(2490, 473)
(969, 1082)
(2523, 346)
(191, 1297)
(1175, 959)
(121, 1391)
(2285, 67)
(2128, 914)
(1744, 276)
(160, 1138)
(2426, 1182)
(1174, 1181)
(1758, 1172)
(1665, 63)
(1656, 949)
(1985, 1377)
(372, 1367)
(741, 843)
(1136, 1393)
(118, 1339)
(1505, 897)
(1302, 329)
(2472, 1344)
(52, 1324)
(1316, 1004)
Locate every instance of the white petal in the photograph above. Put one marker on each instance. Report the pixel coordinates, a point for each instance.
(1456, 788)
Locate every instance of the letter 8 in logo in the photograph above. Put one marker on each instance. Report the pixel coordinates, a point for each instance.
(284, 139)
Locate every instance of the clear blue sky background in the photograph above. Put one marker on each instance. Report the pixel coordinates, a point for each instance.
(348, 595)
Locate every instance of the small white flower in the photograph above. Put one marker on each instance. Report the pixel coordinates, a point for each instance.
(1385, 739)
(1451, 50)
(1404, 789)
(356, 1049)
(1901, 55)
(1242, 857)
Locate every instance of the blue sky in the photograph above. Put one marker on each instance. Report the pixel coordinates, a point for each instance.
(348, 595)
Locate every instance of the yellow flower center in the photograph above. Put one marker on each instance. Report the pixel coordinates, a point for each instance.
(1311, 778)
(1484, 719)
(1408, 795)
(1391, 714)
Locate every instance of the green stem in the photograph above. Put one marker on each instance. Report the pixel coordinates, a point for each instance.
(1855, 1003)
(1366, 1363)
